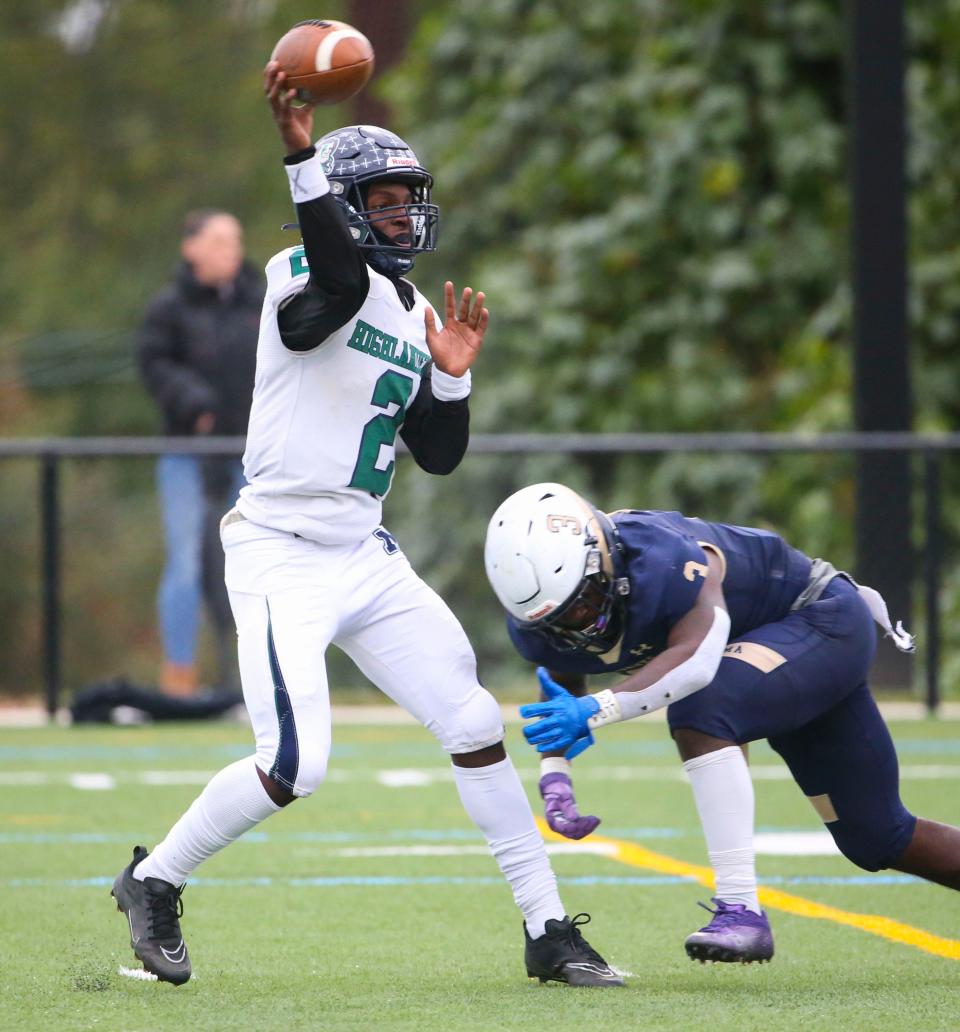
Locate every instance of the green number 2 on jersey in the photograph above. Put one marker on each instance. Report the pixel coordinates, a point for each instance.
(298, 262)
(392, 388)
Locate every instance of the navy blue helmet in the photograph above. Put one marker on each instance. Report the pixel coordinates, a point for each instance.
(356, 156)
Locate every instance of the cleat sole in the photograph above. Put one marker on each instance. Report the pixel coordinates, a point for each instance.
(547, 979)
(720, 955)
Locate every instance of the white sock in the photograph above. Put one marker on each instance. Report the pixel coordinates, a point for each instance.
(233, 802)
(723, 792)
(496, 802)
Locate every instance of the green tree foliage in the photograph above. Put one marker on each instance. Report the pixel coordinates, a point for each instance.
(652, 193)
(119, 117)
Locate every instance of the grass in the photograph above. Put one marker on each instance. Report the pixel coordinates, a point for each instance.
(303, 926)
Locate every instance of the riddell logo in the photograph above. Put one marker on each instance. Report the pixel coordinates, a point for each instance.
(535, 614)
(400, 163)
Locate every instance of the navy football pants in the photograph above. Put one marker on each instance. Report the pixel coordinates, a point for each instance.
(802, 683)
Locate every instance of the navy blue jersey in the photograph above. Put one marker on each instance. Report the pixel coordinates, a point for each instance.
(665, 563)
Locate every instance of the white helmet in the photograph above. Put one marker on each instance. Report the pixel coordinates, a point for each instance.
(547, 552)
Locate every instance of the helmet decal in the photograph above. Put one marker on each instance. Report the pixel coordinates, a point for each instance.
(556, 523)
(326, 152)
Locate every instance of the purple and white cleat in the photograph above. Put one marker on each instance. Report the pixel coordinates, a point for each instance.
(736, 935)
(560, 808)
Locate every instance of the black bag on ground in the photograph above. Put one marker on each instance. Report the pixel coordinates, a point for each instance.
(97, 703)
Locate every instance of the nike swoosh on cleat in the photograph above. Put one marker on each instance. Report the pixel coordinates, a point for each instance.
(171, 955)
(602, 972)
(134, 939)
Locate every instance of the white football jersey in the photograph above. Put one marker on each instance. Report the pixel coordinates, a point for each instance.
(321, 441)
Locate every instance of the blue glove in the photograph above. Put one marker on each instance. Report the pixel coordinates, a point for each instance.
(562, 723)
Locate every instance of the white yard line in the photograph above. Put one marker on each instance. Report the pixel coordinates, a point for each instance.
(594, 848)
(417, 777)
(94, 782)
(34, 715)
(137, 973)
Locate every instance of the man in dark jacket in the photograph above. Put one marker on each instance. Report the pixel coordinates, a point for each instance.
(197, 354)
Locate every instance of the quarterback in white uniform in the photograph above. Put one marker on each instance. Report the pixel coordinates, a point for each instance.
(349, 356)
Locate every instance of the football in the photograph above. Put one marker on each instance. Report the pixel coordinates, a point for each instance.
(326, 61)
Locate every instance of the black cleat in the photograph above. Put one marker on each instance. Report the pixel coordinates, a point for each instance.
(153, 908)
(562, 954)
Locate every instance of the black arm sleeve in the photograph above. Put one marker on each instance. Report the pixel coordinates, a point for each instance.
(436, 432)
(338, 283)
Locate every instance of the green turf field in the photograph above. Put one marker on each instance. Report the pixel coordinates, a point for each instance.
(372, 905)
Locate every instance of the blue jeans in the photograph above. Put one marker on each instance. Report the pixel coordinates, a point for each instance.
(184, 508)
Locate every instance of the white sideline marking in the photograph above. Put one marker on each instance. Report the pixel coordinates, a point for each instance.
(164, 778)
(175, 777)
(93, 782)
(928, 771)
(421, 777)
(759, 772)
(18, 777)
(795, 843)
(138, 973)
(35, 715)
(375, 851)
(411, 778)
(597, 848)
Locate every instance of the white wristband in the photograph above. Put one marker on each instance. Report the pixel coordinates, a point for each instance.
(449, 388)
(307, 180)
(609, 712)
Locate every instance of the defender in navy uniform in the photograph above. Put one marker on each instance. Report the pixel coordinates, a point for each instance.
(743, 637)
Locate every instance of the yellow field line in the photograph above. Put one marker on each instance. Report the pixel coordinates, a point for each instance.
(639, 856)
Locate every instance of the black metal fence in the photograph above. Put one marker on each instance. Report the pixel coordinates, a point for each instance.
(51, 452)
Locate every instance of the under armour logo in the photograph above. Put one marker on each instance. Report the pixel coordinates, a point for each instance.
(388, 541)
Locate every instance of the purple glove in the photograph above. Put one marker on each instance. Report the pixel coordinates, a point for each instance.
(560, 808)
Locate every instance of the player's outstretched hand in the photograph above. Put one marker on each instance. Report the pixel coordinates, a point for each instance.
(455, 347)
(561, 724)
(295, 123)
(560, 807)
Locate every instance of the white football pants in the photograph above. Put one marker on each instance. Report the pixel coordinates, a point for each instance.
(292, 597)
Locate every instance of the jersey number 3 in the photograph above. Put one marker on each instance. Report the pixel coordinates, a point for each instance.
(392, 388)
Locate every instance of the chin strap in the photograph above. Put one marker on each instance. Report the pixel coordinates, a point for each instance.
(390, 265)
